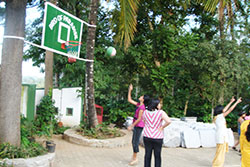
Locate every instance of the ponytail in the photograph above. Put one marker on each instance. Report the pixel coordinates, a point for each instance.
(248, 132)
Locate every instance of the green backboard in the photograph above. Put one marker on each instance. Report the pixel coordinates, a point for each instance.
(59, 27)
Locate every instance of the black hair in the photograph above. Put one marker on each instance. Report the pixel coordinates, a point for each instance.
(218, 110)
(153, 104)
(146, 100)
(241, 113)
(248, 132)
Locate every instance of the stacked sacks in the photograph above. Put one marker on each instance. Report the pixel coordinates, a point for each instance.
(181, 134)
(190, 134)
(172, 133)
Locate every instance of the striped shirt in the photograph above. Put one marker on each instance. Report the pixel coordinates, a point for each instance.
(153, 121)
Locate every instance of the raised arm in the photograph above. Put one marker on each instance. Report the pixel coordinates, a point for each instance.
(232, 107)
(130, 100)
(229, 104)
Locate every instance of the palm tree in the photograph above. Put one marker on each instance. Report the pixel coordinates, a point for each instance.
(129, 8)
(49, 60)
(11, 72)
(211, 5)
(127, 21)
(89, 74)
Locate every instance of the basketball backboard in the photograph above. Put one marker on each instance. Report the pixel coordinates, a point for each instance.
(60, 27)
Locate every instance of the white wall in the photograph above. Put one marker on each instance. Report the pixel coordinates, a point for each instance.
(65, 98)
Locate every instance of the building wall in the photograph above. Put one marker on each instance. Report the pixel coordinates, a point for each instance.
(65, 99)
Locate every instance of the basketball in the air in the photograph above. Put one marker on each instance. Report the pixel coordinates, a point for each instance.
(111, 51)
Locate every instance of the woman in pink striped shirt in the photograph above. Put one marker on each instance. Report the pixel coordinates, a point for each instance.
(153, 135)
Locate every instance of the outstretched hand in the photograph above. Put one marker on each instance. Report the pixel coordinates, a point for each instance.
(130, 87)
(239, 100)
(232, 99)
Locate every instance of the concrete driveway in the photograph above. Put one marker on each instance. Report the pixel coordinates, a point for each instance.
(72, 155)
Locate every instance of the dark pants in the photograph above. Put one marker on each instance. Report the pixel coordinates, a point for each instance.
(136, 138)
(150, 145)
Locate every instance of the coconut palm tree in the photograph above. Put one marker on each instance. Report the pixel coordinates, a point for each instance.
(11, 72)
(211, 5)
(89, 74)
(128, 11)
(127, 21)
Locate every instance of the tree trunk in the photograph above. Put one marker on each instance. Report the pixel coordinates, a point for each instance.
(231, 18)
(186, 107)
(222, 37)
(221, 19)
(212, 111)
(11, 72)
(49, 61)
(221, 98)
(89, 76)
(48, 72)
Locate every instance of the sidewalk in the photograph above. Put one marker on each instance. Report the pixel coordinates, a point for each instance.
(72, 155)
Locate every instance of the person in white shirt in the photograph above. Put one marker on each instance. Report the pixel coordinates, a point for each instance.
(220, 113)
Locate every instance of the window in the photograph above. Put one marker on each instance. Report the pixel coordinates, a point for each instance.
(69, 111)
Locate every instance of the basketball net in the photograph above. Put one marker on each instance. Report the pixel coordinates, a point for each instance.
(72, 49)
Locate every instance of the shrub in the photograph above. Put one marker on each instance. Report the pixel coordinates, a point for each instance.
(102, 131)
(117, 111)
(46, 121)
(28, 147)
(31, 149)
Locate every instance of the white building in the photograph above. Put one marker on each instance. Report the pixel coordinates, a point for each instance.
(68, 103)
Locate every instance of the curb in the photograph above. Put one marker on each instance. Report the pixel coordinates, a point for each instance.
(39, 161)
(72, 136)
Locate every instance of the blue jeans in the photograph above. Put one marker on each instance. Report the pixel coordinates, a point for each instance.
(136, 138)
(150, 145)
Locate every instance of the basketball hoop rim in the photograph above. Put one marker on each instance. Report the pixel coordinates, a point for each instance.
(73, 43)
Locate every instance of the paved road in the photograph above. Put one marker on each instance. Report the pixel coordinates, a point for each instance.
(72, 155)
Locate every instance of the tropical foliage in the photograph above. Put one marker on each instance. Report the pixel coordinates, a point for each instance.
(175, 53)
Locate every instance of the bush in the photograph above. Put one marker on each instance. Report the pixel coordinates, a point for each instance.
(59, 129)
(28, 147)
(102, 131)
(24, 151)
(117, 111)
(46, 121)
